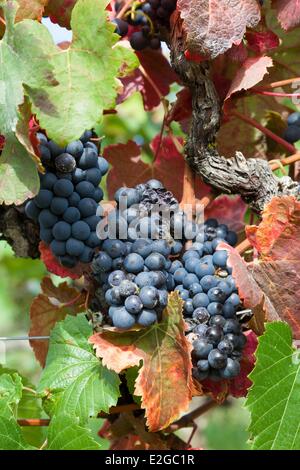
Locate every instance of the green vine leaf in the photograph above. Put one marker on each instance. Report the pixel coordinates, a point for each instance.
(274, 398)
(65, 433)
(11, 435)
(87, 73)
(74, 381)
(10, 393)
(24, 59)
(19, 178)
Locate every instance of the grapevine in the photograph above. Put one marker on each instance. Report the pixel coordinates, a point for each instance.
(149, 180)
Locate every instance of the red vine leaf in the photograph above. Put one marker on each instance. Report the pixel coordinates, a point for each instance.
(262, 42)
(49, 307)
(238, 386)
(60, 11)
(249, 74)
(129, 169)
(182, 108)
(213, 26)
(152, 80)
(288, 12)
(228, 210)
(165, 354)
(53, 266)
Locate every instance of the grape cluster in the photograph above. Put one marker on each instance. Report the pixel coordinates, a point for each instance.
(203, 280)
(147, 18)
(66, 206)
(133, 265)
(292, 132)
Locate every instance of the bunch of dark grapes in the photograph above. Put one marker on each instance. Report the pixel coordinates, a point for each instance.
(148, 17)
(133, 265)
(211, 302)
(66, 206)
(292, 132)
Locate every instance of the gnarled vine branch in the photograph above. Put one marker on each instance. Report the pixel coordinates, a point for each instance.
(251, 178)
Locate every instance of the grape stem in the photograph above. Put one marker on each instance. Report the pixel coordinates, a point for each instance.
(243, 246)
(285, 161)
(260, 91)
(188, 420)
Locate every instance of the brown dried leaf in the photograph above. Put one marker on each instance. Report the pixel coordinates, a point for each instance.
(49, 307)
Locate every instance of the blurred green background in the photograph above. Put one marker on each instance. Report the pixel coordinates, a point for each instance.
(221, 428)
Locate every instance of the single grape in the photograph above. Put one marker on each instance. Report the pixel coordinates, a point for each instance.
(162, 298)
(47, 219)
(232, 369)
(184, 294)
(133, 304)
(201, 315)
(220, 258)
(214, 335)
(48, 180)
(65, 163)
(231, 326)
(216, 295)
(217, 359)
(133, 263)
(59, 205)
(122, 319)
(195, 288)
(188, 307)
(55, 149)
(44, 198)
(71, 215)
(228, 310)
(231, 238)
(294, 119)
(127, 288)
(292, 133)
(155, 262)
(234, 299)
(204, 269)
(215, 308)
(93, 175)
(87, 255)
(61, 231)
(116, 277)
(149, 296)
(78, 175)
(103, 165)
(86, 136)
(225, 346)
(203, 365)
(114, 248)
(179, 275)
(191, 264)
(144, 279)
(190, 254)
(121, 27)
(92, 221)
(74, 247)
(58, 248)
(68, 261)
(46, 235)
(87, 207)
(142, 247)
(201, 348)
(138, 41)
(200, 300)
(63, 188)
(93, 241)
(147, 317)
(174, 266)
(85, 189)
(81, 230)
(74, 199)
(113, 296)
(31, 210)
(75, 148)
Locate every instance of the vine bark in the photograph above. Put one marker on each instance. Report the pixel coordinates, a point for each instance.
(251, 178)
